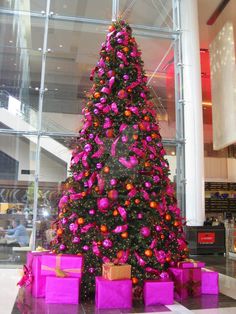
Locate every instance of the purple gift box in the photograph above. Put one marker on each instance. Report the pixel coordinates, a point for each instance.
(190, 264)
(187, 282)
(210, 282)
(58, 265)
(62, 290)
(113, 294)
(158, 292)
(34, 261)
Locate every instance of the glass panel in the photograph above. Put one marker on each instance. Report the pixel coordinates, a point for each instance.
(17, 170)
(22, 5)
(22, 31)
(156, 13)
(20, 71)
(54, 164)
(74, 52)
(171, 157)
(83, 8)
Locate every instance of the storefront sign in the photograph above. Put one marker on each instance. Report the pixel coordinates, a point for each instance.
(206, 237)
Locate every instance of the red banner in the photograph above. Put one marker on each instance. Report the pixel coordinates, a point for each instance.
(206, 237)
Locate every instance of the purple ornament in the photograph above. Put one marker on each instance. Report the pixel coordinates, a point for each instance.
(96, 111)
(85, 184)
(103, 100)
(145, 232)
(73, 227)
(85, 247)
(64, 221)
(91, 270)
(62, 247)
(120, 40)
(91, 136)
(88, 148)
(140, 216)
(158, 228)
(76, 240)
(113, 182)
(99, 165)
(125, 77)
(103, 203)
(107, 243)
(148, 138)
(91, 212)
(147, 184)
(124, 138)
(164, 275)
(156, 179)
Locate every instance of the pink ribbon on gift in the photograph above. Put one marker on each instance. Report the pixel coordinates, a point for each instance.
(140, 260)
(122, 212)
(120, 229)
(27, 277)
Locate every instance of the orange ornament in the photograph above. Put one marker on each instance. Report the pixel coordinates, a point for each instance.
(102, 82)
(107, 58)
(99, 243)
(96, 95)
(111, 28)
(79, 254)
(147, 118)
(137, 201)
(176, 223)
(96, 189)
(80, 221)
(135, 137)
(59, 232)
(168, 259)
(129, 186)
(129, 90)
(153, 204)
(127, 203)
(96, 124)
(142, 127)
(103, 228)
(109, 133)
(134, 280)
(61, 215)
(86, 174)
(154, 135)
(168, 217)
(162, 236)
(148, 253)
(83, 194)
(147, 164)
(125, 49)
(119, 254)
(64, 210)
(115, 212)
(106, 169)
(124, 235)
(127, 113)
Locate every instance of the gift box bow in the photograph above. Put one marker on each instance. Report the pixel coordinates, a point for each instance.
(57, 269)
(195, 264)
(191, 285)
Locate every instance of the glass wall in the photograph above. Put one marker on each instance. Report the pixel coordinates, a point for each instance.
(47, 51)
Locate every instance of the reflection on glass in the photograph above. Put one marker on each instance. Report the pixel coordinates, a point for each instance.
(21, 5)
(156, 13)
(17, 170)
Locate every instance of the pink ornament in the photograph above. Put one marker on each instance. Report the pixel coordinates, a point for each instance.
(96, 111)
(147, 184)
(88, 148)
(76, 240)
(151, 156)
(63, 201)
(145, 232)
(103, 203)
(164, 275)
(119, 40)
(91, 212)
(125, 77)
(143, 95)
(113, 195)
(91, 270)
(140, 216)
(99, 165)
(148, 138)
(124, 138)
(121, 66)
(62, 247)
(113, 182)
(158, 228)
(107, 243)
(73, 227)
(64, 221)
(103, 100)
(156, 179)
(91, 136)
(85, 247)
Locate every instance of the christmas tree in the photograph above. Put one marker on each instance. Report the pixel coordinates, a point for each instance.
(118, 204)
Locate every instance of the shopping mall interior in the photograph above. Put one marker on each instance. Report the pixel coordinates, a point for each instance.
(48, 49)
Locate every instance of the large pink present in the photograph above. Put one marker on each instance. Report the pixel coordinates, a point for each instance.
(190, 263)
(111, 294)
(158, 292)
(62, 290)
(187, 282)
(34, 261)
(62, 265)
(210, 282)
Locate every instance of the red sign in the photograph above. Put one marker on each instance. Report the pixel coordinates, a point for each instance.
(206, 237)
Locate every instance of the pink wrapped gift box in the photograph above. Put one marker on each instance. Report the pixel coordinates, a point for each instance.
(210, 282)
(62, 290)
(34, 261)
(113, 294)
(158, 292)
(189, 263)
(59, 265)
(187, 282)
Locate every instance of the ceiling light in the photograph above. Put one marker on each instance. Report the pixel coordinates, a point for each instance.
(58, 68)
(60, 46)
(10, 41)
(173, 153)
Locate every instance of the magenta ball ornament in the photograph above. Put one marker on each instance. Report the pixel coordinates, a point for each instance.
(76, 240)
(85, 247)
(103, 100)
(91, 136)
(140, 216)
(64, 221)
(164, 275)
(156, 179)
(152, 156)
(62, 247)
(121, 66)
(88, 148)
(113, 182)
(103, 203)
(158, 228)
(99, 165)
(125, 77)
(148, 139)
(107, 243)
(91, 270)
(145, 232)
(147, 184)
(119, 40)
(124, 138)
(91, 212)
(96, 111)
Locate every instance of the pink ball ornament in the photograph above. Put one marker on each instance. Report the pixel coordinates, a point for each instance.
(140, 216)
(147, 184)
(143, 95)
(96, 111)
(119, 40)
(156, 179)
(99, 165)
(125, 77)
(85, 247)
(145, 232)
(113, 182)
(103, 100)
(124, 138)
(158, 228)
(148, 138)
(91, 212)
(91, 270)
(103, 203)
(107, 243)
(152, 156)
(64, 221)
(88, 148)
(164, 275)
(76, 240)
(62, 247)
(91, 136)
(121, 66)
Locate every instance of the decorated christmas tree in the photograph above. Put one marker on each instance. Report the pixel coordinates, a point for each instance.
(118, 204)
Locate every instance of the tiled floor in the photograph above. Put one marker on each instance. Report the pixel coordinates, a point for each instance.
(225, 303)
